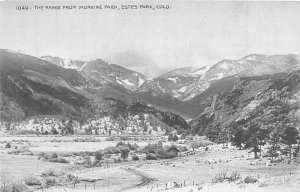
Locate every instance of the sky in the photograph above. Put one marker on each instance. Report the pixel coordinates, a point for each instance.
(190, 34)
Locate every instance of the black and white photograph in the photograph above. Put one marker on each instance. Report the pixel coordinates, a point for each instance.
(150, 96)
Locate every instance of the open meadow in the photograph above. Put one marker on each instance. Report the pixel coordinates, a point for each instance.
(85, 163)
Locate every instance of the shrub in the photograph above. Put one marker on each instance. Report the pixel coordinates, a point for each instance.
(124, 152)
(52, 173)
(224, 175)
(175, 138)
(118, 160)
(201, 143)
(87, 162)
(174, 149)
(50, 181)
(111, 138)
(152, 148)
(124, 138)
(182, 148)
(135, 158)
(164, 154)
(31, 181)
(151, 156)
(112, 150)
(160, 143)
(57, 160)
(234, 176)
(220, 177)
(120, 144)
(20, 150)
(83, 153)
(99, 155)
(183, 136)
(132, 147)
(250, 179)
(170, 137)
(14, 187)
(54, 155)
(62, 160)
(7, 145)
(71, 178)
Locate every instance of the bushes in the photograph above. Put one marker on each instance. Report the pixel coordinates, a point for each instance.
(14, 187)
(23, 150)
(173, 149)
(135, 158)
(124, 152)
(70, 178)
(220, 177)
(250, 179)
(182, 148)
(112, 150)
(8, 145)
(111, 138)
(200, 143)
(87, 162)
(160, 151)
(151, 148)
(54, 155)
(130, 146)
(50, 181)
(172, 137)
(225, 176)
(58, 160)
(83, 153)
(231, 177)
(32, 181)
(52, 173)
(120, 144)
(99, 155)
(151, 156)
(163, 154)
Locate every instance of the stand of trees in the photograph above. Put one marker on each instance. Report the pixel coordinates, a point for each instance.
(280, 139)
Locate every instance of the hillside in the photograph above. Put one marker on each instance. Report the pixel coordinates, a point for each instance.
(32, 87)
(261, 100)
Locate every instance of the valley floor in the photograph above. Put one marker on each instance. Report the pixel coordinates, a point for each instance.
(184, 173)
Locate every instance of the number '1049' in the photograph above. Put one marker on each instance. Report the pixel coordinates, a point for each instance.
(22, 7)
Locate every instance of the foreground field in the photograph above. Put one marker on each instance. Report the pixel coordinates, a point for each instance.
(190, 171)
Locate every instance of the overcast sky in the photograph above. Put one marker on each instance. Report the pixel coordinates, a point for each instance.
(153, 42)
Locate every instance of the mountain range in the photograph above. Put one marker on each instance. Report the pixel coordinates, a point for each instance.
(32, 86)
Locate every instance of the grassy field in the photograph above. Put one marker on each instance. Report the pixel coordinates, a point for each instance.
(194, 172)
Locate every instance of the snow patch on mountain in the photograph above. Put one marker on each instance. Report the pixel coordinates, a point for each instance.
(182, 89)
(14, 82)
(225, 65)
(217, 76)
(82, 67)
(201, 71)
(141, 81)
(173, 79)
(127, 82)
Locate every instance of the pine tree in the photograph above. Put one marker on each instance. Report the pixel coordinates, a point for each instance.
(238, 137)
(274, 139)
(289, 137)
(251, 137)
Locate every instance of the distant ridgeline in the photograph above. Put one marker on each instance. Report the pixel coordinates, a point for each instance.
(51, 95)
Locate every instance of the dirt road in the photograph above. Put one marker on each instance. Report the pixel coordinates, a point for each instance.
(145, 179)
